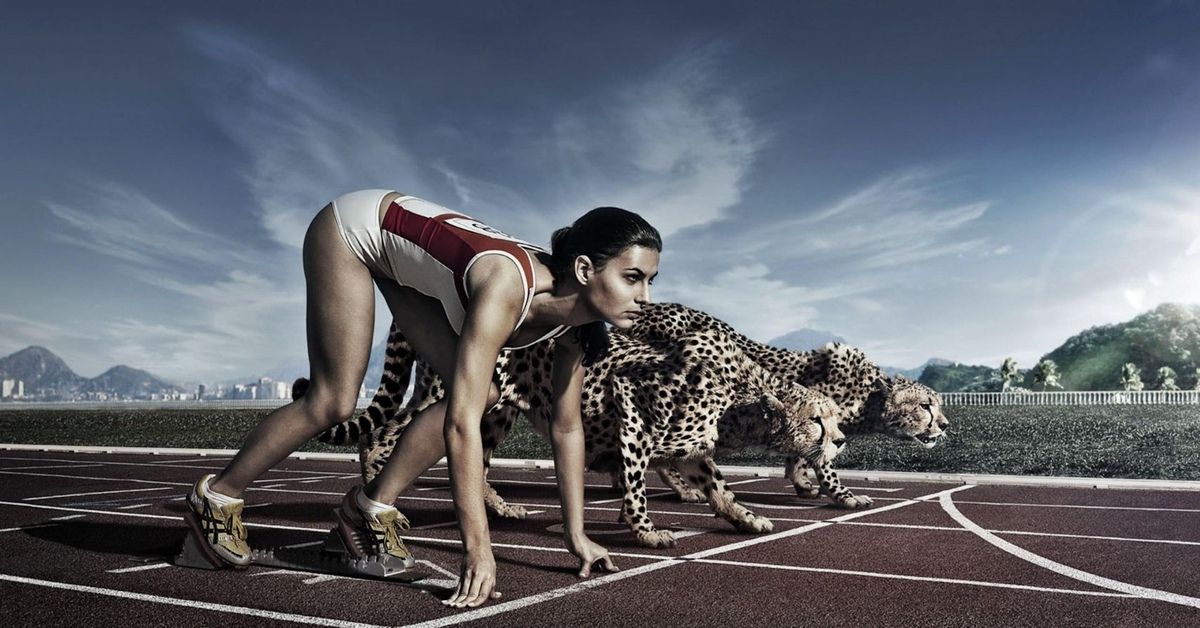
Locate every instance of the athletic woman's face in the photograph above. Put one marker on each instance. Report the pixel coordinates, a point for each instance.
(617, 291)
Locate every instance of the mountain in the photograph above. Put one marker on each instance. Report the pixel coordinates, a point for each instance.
(47, 376)
(805, 340)
(1168, 335)
(127, 382)
(916, 373)
(40, 369)
(955, 377)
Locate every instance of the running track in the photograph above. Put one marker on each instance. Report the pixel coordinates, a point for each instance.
(87, 536)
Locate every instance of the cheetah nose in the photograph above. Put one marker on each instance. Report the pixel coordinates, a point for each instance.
(838, 442)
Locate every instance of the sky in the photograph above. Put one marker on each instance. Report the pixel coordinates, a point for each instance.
(962, 180)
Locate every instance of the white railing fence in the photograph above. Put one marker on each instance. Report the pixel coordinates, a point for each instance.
(1072, 398)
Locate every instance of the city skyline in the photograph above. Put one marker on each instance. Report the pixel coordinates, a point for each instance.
(961, 181)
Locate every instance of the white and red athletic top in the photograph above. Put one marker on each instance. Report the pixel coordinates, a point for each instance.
(431, 249)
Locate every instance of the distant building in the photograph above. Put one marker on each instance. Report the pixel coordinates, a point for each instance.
(12, 389)
(200, 391)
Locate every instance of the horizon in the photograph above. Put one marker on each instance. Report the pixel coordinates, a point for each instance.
(935, 180)
(290, 369)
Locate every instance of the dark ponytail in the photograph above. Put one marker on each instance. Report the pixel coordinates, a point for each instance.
(601, 234)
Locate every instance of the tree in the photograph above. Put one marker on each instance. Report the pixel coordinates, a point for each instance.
(1046, 374)
(1166, 379)
(1131, 377)
(1197, 386)
(1008, 373)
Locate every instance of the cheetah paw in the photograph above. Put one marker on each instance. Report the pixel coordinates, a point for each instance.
(656, 539)
(807, 491)
(692, 496)
(756, 525)
(854, 502)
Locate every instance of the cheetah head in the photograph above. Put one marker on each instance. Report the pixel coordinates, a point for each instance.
(803, 422)
(912, 411)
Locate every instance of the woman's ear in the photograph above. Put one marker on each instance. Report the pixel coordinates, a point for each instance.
(583, 269)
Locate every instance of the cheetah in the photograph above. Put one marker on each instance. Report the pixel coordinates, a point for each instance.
(870, 401)
(666, 405)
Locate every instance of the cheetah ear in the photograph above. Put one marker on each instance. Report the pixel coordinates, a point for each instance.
(884, 385)
(774, 410)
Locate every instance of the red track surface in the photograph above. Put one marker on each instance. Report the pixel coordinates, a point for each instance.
(86, 540)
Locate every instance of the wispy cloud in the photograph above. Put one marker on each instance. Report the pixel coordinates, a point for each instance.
(894, 222)
(675, 147)
(754, 302)
(243, 315)
(306, 142)
(786, 269)
(121, 223)
(225, 310)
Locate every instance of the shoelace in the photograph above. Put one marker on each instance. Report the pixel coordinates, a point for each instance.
(389, 536)
(218, 521)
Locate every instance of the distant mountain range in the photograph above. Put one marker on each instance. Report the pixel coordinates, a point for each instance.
(47, 376)
(1168, 336)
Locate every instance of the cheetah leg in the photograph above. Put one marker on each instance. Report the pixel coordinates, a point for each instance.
(704, 473)
(797, 472)
(687, 494)
(495, 426)
(832, 486)
(635, 460)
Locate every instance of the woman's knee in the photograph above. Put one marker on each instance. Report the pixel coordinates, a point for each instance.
(325, 410)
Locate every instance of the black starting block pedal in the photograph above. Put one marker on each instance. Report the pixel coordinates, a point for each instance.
(331, 558)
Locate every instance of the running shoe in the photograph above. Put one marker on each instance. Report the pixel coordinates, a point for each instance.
(378, 535)
(220, 527)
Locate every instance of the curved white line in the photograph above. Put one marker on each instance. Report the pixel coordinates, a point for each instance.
(1041, 561)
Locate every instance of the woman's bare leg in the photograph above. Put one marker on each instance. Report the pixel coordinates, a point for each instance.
(340, 323)
(422, 443)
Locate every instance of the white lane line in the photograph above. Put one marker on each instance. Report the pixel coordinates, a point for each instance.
(141, 568)
(1070, 572)
(1013, 532)
(94, 493)
(82, 465)
(1082, 507)
(504, 607)
(207, 606)
(134, 507)
(894, 576)
(31, 527)
(649, 495)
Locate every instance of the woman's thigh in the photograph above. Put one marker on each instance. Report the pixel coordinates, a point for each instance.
(423, 322)
(340, 311)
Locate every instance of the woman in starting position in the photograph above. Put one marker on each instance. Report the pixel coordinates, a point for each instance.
(461, 292)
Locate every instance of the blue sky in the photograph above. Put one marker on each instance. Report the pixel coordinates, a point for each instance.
(965, 180)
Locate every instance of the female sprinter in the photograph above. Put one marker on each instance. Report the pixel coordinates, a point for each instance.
(461, 292)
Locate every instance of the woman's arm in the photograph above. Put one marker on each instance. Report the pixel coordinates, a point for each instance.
(566, 440)
(491, 316)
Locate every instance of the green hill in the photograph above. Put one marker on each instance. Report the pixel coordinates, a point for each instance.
(1168, 335)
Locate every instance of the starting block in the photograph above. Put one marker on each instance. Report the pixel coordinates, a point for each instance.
(332, 558)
